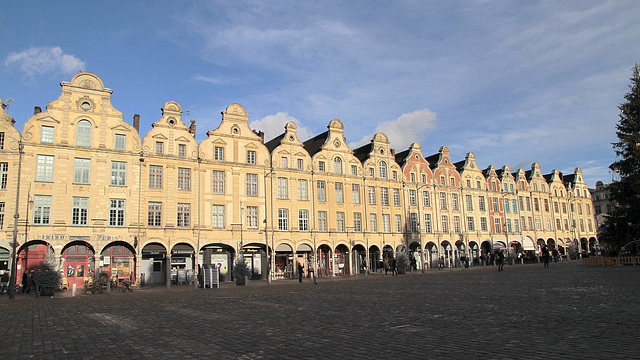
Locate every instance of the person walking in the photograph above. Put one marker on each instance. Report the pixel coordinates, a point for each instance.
(5, 283)
(500, 260)
(545, 256)
(386, 264)
(312, 274)
(300, 271)
(394, 267)
(441, 263)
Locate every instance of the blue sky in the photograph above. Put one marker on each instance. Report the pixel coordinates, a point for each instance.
(512, 81)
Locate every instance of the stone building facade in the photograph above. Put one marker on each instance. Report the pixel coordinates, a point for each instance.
(95, 197)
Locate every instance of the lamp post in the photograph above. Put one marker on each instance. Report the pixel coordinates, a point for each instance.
(419, 229)
(16, 215)
(266, 227)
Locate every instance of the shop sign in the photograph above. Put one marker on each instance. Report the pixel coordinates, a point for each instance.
(182, 252)
(178, 260)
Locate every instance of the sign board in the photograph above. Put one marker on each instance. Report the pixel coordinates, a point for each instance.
(211, 277)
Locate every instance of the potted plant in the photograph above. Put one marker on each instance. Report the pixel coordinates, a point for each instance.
(402, 262)
(241, 271)
(46, 278)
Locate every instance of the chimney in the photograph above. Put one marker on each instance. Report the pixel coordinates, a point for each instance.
(37, 110)
(136, 122)
(192, 128)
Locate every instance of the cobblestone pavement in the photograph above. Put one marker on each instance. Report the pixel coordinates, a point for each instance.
(526, 311)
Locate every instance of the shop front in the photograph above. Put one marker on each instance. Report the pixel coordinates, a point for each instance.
(341, 263)
(153, 265)
(255, 257)
(359, 259)
(218, 255)
(182, 264)
(77, 260)
(5, 258)
(118, 260)
(283, 262)
(30, 256)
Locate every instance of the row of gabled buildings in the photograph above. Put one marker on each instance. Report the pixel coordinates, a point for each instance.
(95, 197)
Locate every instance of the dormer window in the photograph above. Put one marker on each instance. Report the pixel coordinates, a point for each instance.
(383, 169)
(337, 165)
(46, 134)
(120, 142)
(159, 147)
(442, 180)
(182, 150)
(321, 166)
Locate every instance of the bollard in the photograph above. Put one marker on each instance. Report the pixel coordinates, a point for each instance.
(108, 287)
(73, 290)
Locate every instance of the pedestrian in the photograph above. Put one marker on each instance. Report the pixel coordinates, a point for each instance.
(545, 256)
(312, 274)
(414, 264)
(500, 260)
(300, 271)
(441, 263)
(386, 264)
(394, 267)
(24, 281)
(5, 283)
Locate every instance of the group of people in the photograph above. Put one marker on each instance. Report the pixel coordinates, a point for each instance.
(390, 264)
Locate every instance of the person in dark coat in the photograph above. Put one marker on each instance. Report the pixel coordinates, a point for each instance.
(300, 271)
(394, 267)
(545, 256)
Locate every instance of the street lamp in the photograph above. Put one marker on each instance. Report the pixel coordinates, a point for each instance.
(16, 215)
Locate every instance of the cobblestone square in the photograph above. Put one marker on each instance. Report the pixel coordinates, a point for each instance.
(526, 311)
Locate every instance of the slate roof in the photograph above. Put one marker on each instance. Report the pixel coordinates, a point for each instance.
(275, 142)
(314, 145)
(401, 157)
(362, 153)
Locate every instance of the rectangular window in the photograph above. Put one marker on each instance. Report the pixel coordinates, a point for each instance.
(373, 223)
(155, 214)
(535, 204)
(184, 179)
(283, 188)
(4, 175)
(515, 206)
(509, 226)
(546, 205)
(558, 224)
(322, 190)
(354, 170)
(445, 224)
(456, 224)
(81, 170)
(159, 147)
(372, 195)
(217, 177)
(481, 204)
(182, 150)
(252, 185)
(528, 204)
(566, 225)
(184, 215)
(80, 210)
(443, 201)
(120, 142)
(357, 222)
(252, 217)
(530, 224)
(371, 172)
(590, 225)
(538, 225)
(300, 164)
(384, 196)
(116, 212)
(1, 140)
(398, 224)
(396, 197)
(283, 219)
(303, 192)
(283, 162)
(340, 221)
(470, 224)
(303, 220)
(427, 223)
(412, 197)
(495, 204)
(497, 228)
(516, 226)
(413, 222)
(386, 223)
(506, 205)
(44, 168)
(339, 192)
(118, 173)
(251, 157)
(1, 211)
(355, 193)
(556, 208)
(454, 202)
(579, 209)
(155, 177)
(483, 224)
(548, 221)
(426, 199)
(469, 202)
(218, 153)
(46, 134)
(217, 219)
(521, 202)
(321, 166)
(322, 221)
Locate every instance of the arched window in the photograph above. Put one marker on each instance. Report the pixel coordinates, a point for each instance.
(383, 170)
(83, 136)
(337, 165)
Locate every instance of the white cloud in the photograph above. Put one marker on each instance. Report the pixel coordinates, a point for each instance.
(211, 80)
(42, 60)
(273, 125)
(403, 131)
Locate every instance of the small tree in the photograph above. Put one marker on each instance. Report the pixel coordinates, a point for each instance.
(623, 224)
(402, 262)
(240, 268)
(46, 276)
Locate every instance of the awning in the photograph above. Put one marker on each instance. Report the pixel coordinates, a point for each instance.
(304, 247)
(498, 245)
(283, 248)
(527, 245)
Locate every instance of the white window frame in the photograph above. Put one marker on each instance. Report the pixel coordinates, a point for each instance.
(44, 168)
(83, 133)
(252, 184)
(117, 213)
(217, 182)
(79, 210)
(217, 216)
(118, 173)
